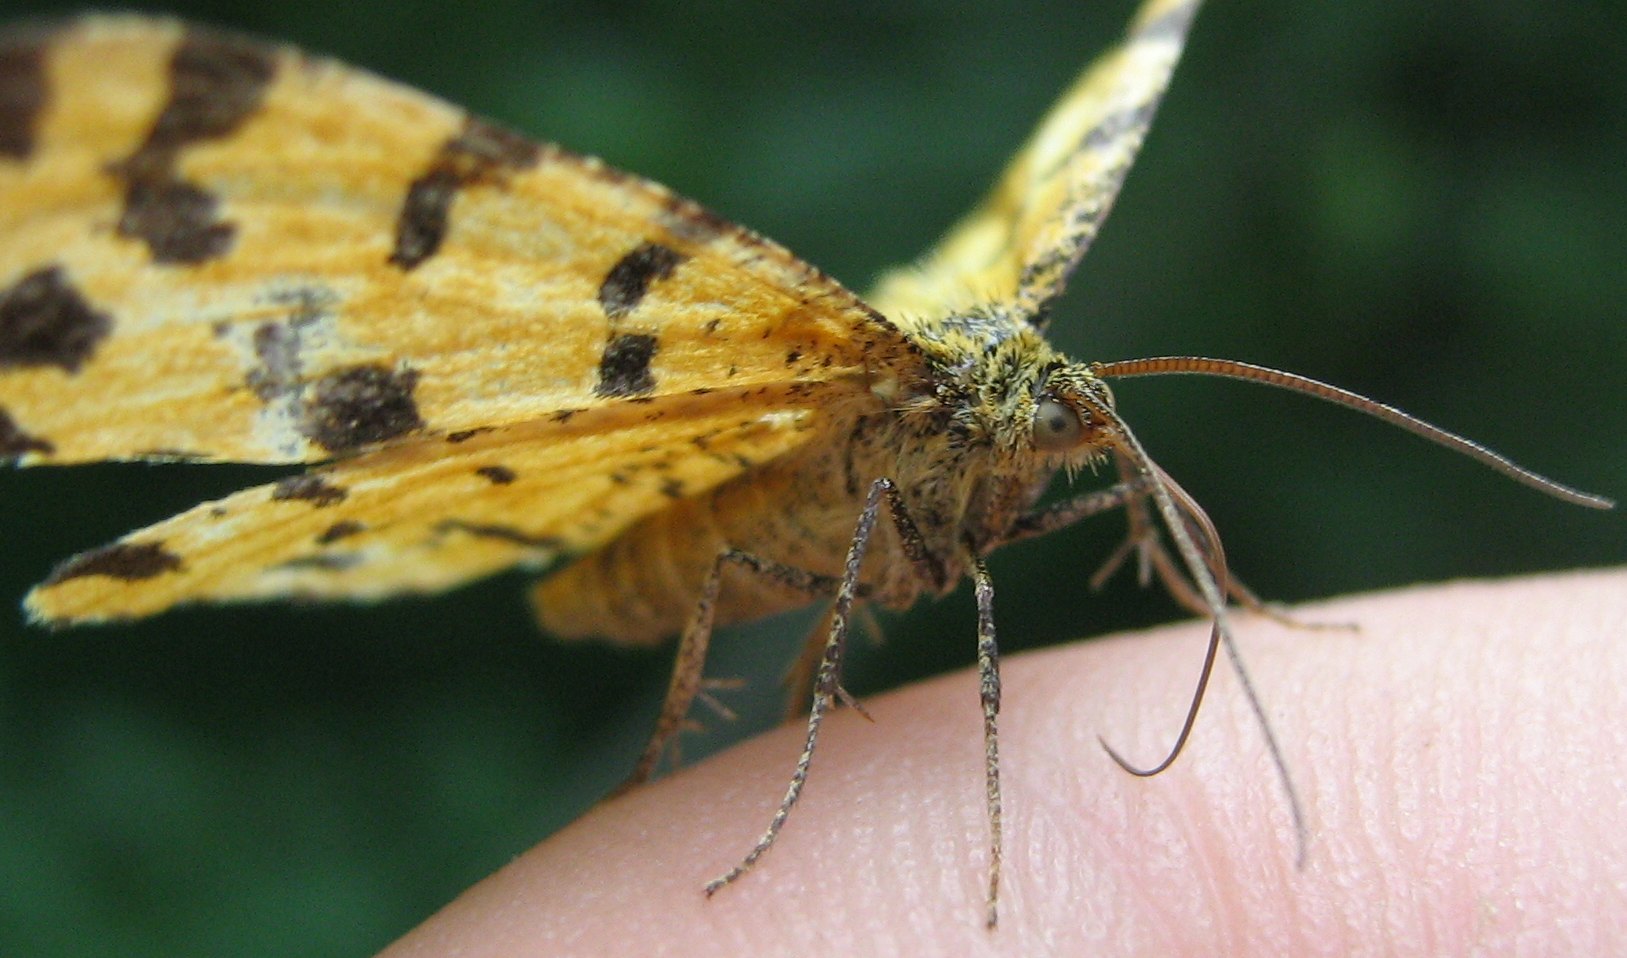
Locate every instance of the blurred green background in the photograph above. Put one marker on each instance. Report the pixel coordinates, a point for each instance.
(1421, 201)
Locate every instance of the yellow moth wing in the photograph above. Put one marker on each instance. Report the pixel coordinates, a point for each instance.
(1018, 245)
(332, 273)
(218, 249)
(426, 516)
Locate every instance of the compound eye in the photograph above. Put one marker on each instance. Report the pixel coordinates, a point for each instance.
(1057, 426)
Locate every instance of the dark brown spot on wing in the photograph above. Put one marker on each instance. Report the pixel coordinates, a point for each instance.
(15, 443)
(129, 561)
(217, 81)
(176, 220)
(623, 366)
(310, 488)
(505, 533)
(343, 529)
(360, 406)
(624, 369)
(23, 92)
(496, 475)
(629, 280)
(421, 226)
(479, 154)
(44, 321)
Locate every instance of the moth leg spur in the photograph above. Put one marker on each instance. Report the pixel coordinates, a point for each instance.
(690, 662)
(799, 678)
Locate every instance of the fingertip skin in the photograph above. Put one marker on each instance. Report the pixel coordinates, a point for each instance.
(1425, 747)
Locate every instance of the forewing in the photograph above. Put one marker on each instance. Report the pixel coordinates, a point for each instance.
(426, 516)
(1018, 246)
(216, 249)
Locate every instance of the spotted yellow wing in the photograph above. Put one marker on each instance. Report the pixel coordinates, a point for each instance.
(426, 516)
(215, 249)
(1016, 249)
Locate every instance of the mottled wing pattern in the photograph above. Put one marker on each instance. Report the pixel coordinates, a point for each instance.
(215, 249)
(428, 516)
(1018, 246)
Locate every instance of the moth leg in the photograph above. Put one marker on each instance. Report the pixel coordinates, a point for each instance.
(687, 682)
(1141, 538)
(1250, 600)
(705, 697)
(1062, 514)
(828, 677)
(988, 670)
(1153, 558)
(799, 678)
(1174, 579)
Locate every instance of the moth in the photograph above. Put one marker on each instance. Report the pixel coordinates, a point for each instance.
(491, 352)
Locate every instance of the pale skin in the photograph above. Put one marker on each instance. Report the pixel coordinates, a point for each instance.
(1459, 760)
